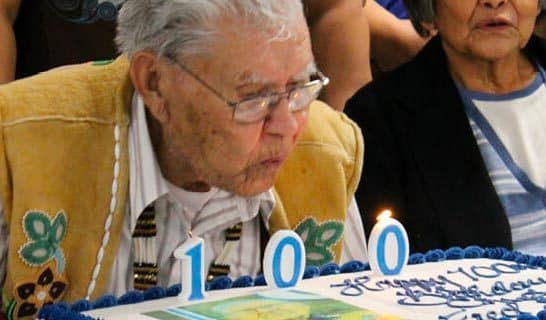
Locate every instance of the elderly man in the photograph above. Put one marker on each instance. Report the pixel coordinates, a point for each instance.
(107, 167)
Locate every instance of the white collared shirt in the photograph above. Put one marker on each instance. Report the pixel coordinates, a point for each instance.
(178, 211)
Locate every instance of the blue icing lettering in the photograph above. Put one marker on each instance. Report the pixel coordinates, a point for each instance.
(444, 291)
(511, 310)
(482, 274)
(463, 300)
(462, 271)
(452, 315)
(519, 285)
(499, 289)
(384, 284)
(492, 315)
(453, 283)
(510, 268)
(350, 288)
(364, 280)
(424, 299)
(477, 316)
(539, 281)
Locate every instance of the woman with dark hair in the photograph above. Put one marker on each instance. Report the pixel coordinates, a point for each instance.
(455, 139)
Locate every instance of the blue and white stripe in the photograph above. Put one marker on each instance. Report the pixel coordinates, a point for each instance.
(523, 200)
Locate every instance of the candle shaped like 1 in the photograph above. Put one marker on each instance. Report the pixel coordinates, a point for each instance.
(388, 247)
(193, 270)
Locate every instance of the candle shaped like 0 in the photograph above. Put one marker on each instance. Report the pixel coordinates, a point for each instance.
(284, 259)
(388, 247)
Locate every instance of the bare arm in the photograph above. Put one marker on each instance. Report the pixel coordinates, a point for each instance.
(340, 39)
(8, 12)
(393, 41)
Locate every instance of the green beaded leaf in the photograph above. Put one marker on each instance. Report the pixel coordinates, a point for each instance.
(306, 229)
(318, 256)
(37, 253)
(318, 239)
(37, 225)
(44, 238)
(329, 233)
(58, 229)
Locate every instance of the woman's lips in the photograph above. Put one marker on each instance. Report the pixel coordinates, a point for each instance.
(494, 24)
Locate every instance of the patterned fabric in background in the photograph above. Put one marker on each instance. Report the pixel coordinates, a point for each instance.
(86, 11)
(52, 33)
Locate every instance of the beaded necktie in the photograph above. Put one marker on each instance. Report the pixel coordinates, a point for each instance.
(144, 243)
(145, 268)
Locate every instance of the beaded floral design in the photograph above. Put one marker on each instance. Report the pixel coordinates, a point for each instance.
(319, 239)
(47, 287)
(44, 239)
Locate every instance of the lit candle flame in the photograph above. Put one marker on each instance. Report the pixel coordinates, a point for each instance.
(384, 214)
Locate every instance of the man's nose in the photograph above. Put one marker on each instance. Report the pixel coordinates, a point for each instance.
(281, 121)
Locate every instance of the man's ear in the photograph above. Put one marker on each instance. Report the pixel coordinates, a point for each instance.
(146, 72)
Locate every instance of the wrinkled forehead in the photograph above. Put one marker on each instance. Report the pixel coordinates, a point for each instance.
(251, 76)
(252, 56)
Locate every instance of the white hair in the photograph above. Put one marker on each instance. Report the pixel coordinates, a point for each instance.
(186, 28)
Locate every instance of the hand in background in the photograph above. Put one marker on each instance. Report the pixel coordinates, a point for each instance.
(340, 39)
(393, 41)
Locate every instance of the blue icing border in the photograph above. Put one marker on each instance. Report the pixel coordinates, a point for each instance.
(64, 311)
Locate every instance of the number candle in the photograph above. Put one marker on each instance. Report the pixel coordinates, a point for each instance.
(388, 247)
(193, 271)
(284, 259)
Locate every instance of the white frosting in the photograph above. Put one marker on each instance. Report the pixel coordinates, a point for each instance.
(483, 274)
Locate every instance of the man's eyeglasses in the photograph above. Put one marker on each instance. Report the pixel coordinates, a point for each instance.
(257, 107)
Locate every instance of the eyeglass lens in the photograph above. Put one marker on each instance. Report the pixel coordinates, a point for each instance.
(257, 109)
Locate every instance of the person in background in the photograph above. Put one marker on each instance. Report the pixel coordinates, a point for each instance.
(8, 12)
(451, 137)
(396, 7)
(342, 32)
(51, 33)
(393, 39)
(341, 43)
(107, 167)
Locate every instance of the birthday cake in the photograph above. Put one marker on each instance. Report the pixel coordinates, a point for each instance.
(469, 283)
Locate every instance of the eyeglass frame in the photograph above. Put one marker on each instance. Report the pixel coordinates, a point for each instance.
(322, 79)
